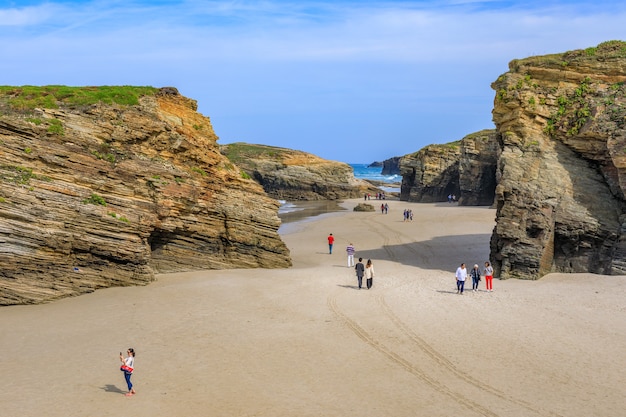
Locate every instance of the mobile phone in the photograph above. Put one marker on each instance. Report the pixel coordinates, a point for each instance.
(120, 353)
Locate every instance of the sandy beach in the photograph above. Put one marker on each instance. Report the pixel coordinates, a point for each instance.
(305, 341)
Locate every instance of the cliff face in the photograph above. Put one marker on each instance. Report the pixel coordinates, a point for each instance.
(97, 195)
(430, 174)
(560, 197)
(465, 168)
(287, 174)
(477, 168)
(391, 166)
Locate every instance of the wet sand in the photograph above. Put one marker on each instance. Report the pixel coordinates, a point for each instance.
(305, 210)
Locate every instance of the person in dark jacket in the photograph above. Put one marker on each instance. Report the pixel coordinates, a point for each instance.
(475, 274)
(360, 271)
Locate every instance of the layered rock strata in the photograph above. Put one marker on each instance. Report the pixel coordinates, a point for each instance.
(99, 195)
(391, 166)
(465, 169)
(287, 174)
(561, 123)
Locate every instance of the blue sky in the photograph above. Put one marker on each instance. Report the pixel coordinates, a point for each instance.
(353, 81)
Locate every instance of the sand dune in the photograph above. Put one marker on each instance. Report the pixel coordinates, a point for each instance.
(306, 342)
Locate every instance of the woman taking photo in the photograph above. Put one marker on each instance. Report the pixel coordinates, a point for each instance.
(128, 364)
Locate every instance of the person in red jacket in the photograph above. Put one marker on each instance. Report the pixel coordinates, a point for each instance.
(331, 240)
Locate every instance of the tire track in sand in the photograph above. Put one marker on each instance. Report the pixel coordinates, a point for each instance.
(407, 365)
(444, 362)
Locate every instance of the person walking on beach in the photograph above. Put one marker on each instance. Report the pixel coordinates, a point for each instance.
(488, 271)
(461, 275)
(331, 240)
(350, 252)
(369, 274)
(128, 365)
(360, 271)
(475, 274)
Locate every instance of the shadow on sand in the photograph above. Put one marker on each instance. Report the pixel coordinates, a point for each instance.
(112, 388)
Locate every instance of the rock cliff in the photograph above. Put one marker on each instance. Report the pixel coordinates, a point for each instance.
(391, 166)
(561, 121)
(465, 168)
(287, 174)
(106, 186)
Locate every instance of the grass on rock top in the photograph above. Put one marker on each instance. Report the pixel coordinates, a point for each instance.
(605, 50)
(238, 152)
(53, 96)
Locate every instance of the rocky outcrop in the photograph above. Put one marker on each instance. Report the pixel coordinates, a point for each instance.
(430, 174)
(363, 207)
(287, 174)
(96, 195)
(477, 168)
(562, 170)
(391, 166)
(465, 169)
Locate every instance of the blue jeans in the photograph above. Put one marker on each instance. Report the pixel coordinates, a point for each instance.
(127, 375)
(330, 248)
(474, 283)
(460, 285)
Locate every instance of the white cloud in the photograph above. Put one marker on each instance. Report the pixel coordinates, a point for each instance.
(308, 31)
(27, 16)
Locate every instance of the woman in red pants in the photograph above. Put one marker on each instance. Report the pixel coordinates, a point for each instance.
(488, 276)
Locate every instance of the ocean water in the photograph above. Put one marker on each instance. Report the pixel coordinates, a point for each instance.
(293, 211)
(363, 172)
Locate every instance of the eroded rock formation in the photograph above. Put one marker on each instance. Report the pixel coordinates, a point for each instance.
(562, 171)
(98, 195)
(430, 174)
(465, 169)
(391, 166)
(287, 174)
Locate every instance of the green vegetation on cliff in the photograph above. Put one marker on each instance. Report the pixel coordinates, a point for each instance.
(614, 49)
(52, 96)
(238, 152)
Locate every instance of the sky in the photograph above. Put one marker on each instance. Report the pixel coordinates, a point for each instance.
(351, 81)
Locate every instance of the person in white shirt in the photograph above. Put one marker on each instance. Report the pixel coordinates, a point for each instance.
(350, 251)
(128, 364)
(461, 275)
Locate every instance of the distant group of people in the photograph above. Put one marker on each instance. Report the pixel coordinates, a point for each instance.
(461, 275)
(379, 196)
(384, 208)
(451, 198)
